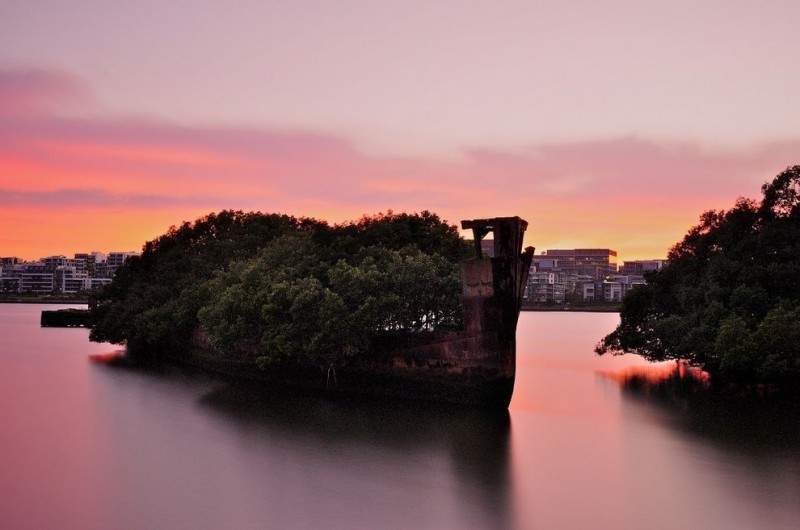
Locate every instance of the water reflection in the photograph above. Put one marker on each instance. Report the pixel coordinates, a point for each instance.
(476, 443)
(86, 445)
(744, 449)
(754, 422)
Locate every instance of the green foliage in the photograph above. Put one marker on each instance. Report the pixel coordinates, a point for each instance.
(735, 341)
(289, 303)
(151, 306)
(284, 288)
(391, 231)
(730, 298)
(778, 340)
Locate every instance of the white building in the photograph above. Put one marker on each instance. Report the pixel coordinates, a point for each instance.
(640, 266)
(613, 290)
(37, 282)
(545, 287)
(117, 259)
(59, 274)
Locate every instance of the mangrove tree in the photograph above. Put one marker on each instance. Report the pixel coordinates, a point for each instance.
(729, 300)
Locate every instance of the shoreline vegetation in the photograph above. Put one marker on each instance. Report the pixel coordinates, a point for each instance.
(729, 300)
(49, 299)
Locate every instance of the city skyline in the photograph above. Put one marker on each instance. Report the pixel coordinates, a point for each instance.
(595, 122)
(553, 274)
(539, 253)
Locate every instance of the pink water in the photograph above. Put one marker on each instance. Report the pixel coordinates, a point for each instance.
(84, 445)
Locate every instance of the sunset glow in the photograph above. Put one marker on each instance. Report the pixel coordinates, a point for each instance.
(616, 139)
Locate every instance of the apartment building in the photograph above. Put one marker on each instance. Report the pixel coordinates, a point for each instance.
(59, 274)
(545, 287)
(595, 262)
(570, 268)
(113, 260)
(640, 266)
(36, 282)
(611, 290)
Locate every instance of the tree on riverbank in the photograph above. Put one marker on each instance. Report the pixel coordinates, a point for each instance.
(286, 287)
(729, 300)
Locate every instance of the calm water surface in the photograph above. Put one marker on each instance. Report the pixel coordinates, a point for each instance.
(88, 446)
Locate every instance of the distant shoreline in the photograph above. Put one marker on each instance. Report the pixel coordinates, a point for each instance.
(45, 301)
(610, 308)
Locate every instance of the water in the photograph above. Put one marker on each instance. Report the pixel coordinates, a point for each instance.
(88, 446)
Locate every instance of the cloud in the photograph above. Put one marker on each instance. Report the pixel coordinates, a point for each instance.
(27, 91)
(599, 190)
(636, 167)
(135, 156)
(93, 198)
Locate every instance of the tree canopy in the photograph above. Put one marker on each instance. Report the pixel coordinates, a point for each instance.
(729, 300)
(284, 288)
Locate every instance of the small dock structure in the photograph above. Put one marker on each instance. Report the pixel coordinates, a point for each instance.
(66, 318)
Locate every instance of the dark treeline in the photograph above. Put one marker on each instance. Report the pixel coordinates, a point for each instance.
(729, 301)
(279, 287)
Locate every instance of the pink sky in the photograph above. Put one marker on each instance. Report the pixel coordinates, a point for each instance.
(610, 124)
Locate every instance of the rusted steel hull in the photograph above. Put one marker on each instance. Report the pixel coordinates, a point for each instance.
(471, 371)
(474, 367)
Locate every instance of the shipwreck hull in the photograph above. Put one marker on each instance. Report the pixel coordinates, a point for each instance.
(475, 366)
(443, 372)
(451, 369)
(476, 370)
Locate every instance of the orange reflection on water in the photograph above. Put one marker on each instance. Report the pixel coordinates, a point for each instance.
(656, 374)
(111, 357)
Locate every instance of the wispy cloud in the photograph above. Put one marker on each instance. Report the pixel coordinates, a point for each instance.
(26, 91)
(600, 191)
(94, 198)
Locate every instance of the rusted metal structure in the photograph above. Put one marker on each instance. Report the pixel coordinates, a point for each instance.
(492, 290)
(476, 366)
